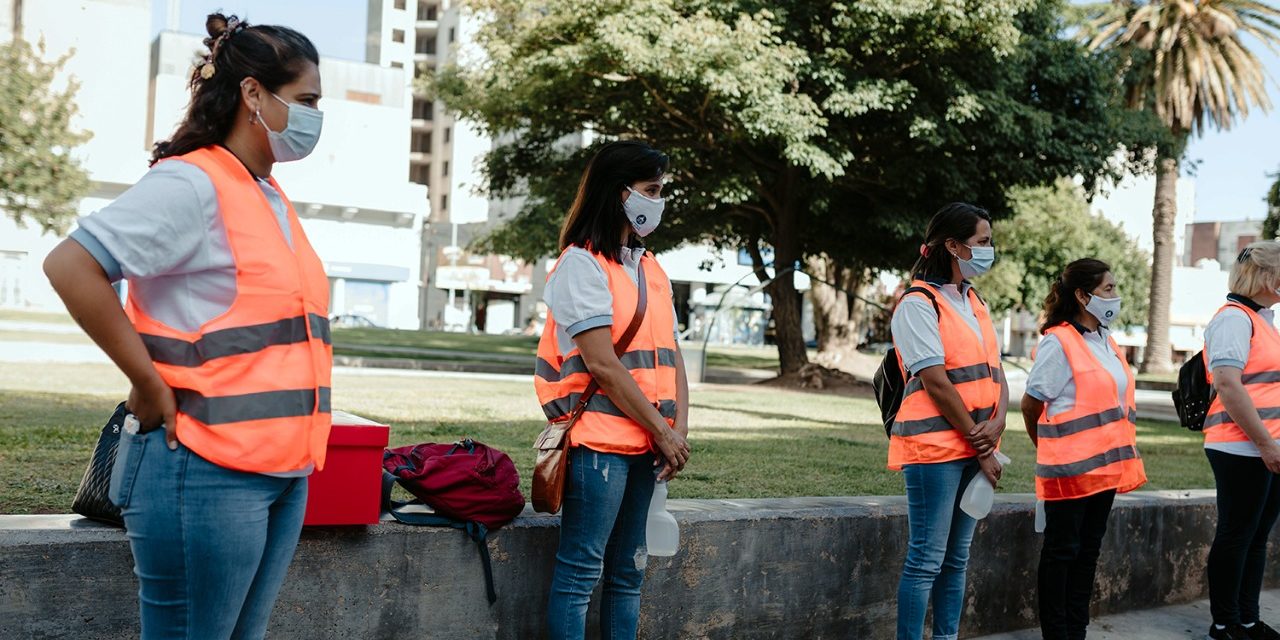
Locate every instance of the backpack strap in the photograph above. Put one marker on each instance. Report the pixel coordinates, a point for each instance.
(928, 293)
(476, 531)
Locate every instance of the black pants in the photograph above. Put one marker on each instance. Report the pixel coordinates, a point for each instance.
(1068, 560)
(1248, 503)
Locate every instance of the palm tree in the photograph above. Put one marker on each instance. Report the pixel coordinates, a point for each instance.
(1186, 62)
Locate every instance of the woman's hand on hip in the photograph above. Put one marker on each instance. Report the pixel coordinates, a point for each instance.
(155, 407)
(673, 453)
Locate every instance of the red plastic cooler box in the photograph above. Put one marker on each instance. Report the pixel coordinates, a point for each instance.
(349, 489)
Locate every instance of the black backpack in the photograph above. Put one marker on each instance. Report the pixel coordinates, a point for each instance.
(889, 382)
(1194, 393)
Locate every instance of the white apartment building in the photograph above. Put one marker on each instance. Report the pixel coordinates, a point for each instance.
(360, 210)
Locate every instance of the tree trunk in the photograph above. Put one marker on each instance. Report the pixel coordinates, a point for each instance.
(782, 290)
(1159, 355)
(835, 313)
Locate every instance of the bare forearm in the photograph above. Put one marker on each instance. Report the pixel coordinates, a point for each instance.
(1235, 398)
(951, 405)
(1031, 410)
(616, 382)
(1002, 409)
(89, 297)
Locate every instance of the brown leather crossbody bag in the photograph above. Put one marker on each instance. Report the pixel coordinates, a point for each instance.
(552, 444)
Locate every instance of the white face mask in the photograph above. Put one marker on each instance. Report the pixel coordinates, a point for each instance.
(1106, 310)
(980, 262)
(300, 134)
(644, 212)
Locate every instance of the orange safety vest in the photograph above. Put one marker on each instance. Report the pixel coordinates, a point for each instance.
(560, 379)
(1093, 446)
(920, 434)
(1261, 377)
(253, 384)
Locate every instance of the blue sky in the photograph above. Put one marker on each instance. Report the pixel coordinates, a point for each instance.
(337, 27)
(1230, 169)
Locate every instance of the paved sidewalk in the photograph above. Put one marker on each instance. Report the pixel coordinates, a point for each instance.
(1179, 622)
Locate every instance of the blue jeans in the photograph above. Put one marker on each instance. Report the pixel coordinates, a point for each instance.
(938, 552)
(602, 530)
(211, 546)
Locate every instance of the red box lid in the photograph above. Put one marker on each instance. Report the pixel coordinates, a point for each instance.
(351, 430)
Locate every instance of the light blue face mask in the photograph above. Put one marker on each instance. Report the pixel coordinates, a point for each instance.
(1106, 310)
(979, 263)
(300, 135)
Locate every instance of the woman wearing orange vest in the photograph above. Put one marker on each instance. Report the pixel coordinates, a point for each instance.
(1242, 440)
(1079, 411)
(633, 431)
(224, 338)
(952, 414)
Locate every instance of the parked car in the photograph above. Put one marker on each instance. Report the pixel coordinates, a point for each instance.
(352, 321)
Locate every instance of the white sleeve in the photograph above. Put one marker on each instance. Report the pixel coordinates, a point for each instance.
(158, 226)
(577, 293)
(1227, 338)
(1051, 372)
(915, 334)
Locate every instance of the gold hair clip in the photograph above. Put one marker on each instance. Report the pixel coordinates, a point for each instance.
(207, 70)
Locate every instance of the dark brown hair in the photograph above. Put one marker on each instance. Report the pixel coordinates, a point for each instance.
(274, 56)
(1061, 305)
(596, 219)
(956, 221)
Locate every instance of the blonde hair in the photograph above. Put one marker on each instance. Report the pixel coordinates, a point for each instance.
(1257, 269)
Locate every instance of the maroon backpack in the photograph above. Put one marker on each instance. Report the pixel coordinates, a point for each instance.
(469, 485)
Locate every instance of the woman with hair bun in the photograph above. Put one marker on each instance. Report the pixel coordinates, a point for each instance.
(1242, 441)
(1079, 411)
(224, 337)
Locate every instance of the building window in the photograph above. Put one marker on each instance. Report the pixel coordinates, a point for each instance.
(397, 35)
(426, 12)
(448, 135)
(423, 109)
(444, 203)
(426, 46)
(400, 4)
(453, 32)
(444, 168)
(422, 142)
(420, 173)
(397, 65)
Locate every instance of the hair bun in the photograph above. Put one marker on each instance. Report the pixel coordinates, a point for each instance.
(216, 25)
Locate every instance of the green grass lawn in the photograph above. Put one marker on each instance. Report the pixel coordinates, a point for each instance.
(747, 441)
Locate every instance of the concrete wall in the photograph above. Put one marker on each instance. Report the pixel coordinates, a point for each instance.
(807, 568)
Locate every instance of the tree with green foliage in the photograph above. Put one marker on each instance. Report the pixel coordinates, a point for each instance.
(823, 130)
(1187, 63)
(40, 181)
(1050, 227)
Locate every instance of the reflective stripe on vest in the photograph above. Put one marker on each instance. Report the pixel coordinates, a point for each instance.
(253, 384)
(235, 341)
(631, 360)
(1261, 377)
(560, 378)
(920, 433)
(1091, 447)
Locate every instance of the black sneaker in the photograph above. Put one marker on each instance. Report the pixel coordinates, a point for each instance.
(1262, 631)
(1229, 632)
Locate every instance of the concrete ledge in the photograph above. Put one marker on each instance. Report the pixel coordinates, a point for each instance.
(797, 568)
